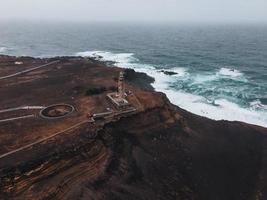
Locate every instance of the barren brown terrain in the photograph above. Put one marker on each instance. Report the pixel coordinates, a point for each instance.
(157, 152)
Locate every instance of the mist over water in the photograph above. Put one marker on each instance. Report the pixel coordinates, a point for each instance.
(216, 71)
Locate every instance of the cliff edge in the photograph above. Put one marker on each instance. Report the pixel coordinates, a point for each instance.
(159, 151)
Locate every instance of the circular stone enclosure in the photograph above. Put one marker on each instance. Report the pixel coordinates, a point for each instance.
(56, 111)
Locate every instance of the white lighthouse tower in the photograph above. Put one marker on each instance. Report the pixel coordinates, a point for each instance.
(121, 87)
(119, 98)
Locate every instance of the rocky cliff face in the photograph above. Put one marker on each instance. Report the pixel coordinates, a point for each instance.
(163, 152)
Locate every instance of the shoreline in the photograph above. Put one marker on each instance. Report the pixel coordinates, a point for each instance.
(137, 148)
(140, 79)
(218, 110)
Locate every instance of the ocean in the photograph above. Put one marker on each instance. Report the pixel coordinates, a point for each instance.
(216, 71)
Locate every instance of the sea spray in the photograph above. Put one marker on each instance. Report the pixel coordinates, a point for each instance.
(214, 108)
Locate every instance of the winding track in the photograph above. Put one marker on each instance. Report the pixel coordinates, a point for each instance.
(37, 107)
(58, 133)
(22, 108)
(44, 139)
(16, 118)
(28, 70)
(33, 107)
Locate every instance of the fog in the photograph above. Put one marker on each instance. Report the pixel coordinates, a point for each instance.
(252, 11)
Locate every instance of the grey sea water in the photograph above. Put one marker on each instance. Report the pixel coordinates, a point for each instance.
(220, 70)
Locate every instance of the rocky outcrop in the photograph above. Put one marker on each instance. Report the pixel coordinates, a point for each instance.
(162, 152)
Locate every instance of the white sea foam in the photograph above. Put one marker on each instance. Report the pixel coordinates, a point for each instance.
(257, 105)
(216, 109)
(108, 56)
(180, 71)
(202, 78)
(221, 74)
(3, 49)
(229, 72)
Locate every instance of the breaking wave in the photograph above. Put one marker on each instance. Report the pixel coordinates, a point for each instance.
(229, 72)
(123, 58)
(3, 49)
(190, 95)
(257, 105)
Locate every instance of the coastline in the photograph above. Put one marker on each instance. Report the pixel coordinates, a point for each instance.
(159, 150)
(165, 81)
(138, 77)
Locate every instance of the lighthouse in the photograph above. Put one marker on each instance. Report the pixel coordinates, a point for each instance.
(119, 98)
(121, 87)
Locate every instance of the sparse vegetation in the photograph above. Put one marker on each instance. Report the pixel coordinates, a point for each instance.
(112, 88)
(99, 90)
(95, 91)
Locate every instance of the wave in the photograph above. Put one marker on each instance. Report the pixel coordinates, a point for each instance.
(217, 109)
(220, 109)
(222, 74)
(257, 105)
(229, 72)
(108, 56)
(180, 71)
(3, 49)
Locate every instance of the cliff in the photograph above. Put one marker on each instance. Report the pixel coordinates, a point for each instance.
(160, 152)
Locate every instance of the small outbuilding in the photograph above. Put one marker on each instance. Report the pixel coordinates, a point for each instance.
(18, 63)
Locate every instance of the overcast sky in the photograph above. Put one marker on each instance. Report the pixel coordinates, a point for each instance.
(136, 10)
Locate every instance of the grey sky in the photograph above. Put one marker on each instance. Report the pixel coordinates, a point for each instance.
(136, 10)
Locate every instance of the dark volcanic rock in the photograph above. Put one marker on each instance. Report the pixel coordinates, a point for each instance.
(162, 152)
(168, 72)
(141, 80)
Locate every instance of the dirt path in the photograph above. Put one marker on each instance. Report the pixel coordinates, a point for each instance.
(28, 70)
(16, 118)
(22, 108)
(44, 139)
